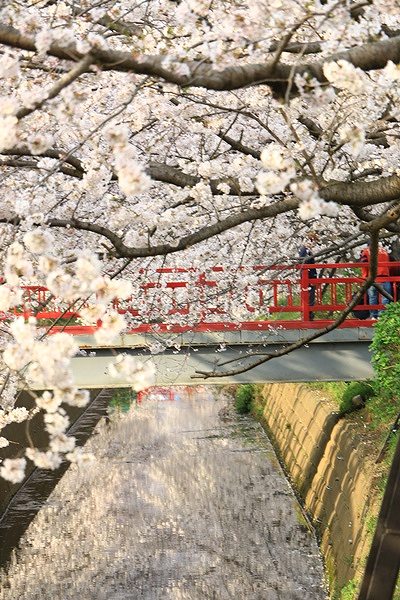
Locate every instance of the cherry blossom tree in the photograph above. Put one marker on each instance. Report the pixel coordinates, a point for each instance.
(161, 133)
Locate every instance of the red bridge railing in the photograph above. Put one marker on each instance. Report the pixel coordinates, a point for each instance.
(221, 299)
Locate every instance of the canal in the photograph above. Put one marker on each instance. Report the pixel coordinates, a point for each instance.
(184, 501)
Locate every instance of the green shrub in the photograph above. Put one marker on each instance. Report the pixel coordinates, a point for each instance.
(122, 399)
(386, 351)
(355, 388)
(244, 398)
(386, 362)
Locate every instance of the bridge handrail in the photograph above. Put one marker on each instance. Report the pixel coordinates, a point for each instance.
(267, 296)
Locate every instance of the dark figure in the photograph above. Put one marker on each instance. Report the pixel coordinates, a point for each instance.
(306, 254)
(394, 256)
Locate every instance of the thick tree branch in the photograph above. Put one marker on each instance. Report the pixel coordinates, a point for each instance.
(186, 241)
(278, 77)
(362, 193)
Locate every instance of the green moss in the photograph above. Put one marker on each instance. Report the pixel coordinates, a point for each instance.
(302, 518)
(330, 570)
(371, 524)
(343, 392)
(349, 591)
(355, 388)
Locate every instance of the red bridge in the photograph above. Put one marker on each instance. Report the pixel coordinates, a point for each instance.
(180, 299)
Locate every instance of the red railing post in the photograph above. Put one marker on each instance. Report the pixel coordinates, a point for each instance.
(304, 293)
(201, 282)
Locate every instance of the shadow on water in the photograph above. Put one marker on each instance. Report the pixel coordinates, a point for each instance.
(19, 503)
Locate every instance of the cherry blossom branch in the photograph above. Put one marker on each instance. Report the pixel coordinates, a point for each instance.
(60, 155)
(365, 216)
(238, 146)
(353, 194)
(299, 47)
(32, 164)
(157, 171)
(382, 221)
(64, 81)
(285, 41)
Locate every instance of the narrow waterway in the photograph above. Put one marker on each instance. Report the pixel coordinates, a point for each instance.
(182, 503)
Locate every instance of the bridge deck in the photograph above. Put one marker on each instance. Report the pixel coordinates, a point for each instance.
(341, 355)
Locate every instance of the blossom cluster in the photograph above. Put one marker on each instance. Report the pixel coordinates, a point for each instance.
(44, 362)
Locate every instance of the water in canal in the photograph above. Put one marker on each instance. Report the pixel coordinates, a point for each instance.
(183, 502)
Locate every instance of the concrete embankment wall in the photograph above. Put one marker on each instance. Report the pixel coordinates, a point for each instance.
(329, 462)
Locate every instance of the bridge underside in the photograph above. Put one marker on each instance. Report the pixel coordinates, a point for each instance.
(341, 355)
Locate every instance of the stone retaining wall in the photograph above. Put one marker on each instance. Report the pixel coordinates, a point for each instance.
(329, 462)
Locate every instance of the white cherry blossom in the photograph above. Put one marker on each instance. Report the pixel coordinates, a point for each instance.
(44, 460)
(38, 241)
(13, 469)
(39, 143)
(8, 132)
(56, 422)
(43, 40)
(62, 443)
(48, 402)
(115, 170)
(81, 458)
(112, 325)
(139, 374)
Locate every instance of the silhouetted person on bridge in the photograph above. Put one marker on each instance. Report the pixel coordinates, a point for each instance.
(306, 253)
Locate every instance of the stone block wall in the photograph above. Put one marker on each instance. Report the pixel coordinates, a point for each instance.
(329, 462)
